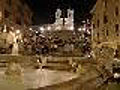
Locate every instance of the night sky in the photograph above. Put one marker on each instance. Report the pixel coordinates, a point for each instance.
(44, 10)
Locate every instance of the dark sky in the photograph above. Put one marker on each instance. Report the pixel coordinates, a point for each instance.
(44, 10)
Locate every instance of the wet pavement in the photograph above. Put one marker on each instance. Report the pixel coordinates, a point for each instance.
(34, 78)
(37, 79)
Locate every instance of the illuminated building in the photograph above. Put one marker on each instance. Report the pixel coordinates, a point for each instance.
(106, 24)
(15, 12)
(61, 23)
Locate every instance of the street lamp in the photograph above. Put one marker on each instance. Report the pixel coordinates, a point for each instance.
(79, 29)
(36, 32)
(41, 28)
(48, 28)
(84, 29)
(17, 31)
(30, 29)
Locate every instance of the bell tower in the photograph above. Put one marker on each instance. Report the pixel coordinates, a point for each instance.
(69, 21)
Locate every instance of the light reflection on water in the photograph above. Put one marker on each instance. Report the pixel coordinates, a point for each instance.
(34, 79)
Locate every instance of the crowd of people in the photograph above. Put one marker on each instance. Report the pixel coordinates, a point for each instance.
(51, 42)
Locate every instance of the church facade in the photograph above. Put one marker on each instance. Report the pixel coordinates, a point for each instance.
(62, 23)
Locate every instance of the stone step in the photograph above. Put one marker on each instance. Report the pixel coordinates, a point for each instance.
(3, 61)
(3, 64)
(58, 66)
(62, 62)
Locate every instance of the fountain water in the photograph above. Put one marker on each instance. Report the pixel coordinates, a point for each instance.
(15, 44)
(15, 48)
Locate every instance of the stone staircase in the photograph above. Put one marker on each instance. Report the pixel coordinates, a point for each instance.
(56, 63)
(3, 63)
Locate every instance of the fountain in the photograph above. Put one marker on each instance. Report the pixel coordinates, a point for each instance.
(13, 77)
(15, 47)
(14, 69)
(15, 44)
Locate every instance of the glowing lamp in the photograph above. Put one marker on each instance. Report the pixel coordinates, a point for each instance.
(42, 29)
(71, 28)
(48, 28)
(17, 31)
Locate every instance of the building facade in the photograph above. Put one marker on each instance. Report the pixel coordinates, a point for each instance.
(61, 22)
(15, 12)
(106, 23)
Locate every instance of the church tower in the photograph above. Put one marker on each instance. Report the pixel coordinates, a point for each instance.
(69, 21)
(64, 23)
(59, 20)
